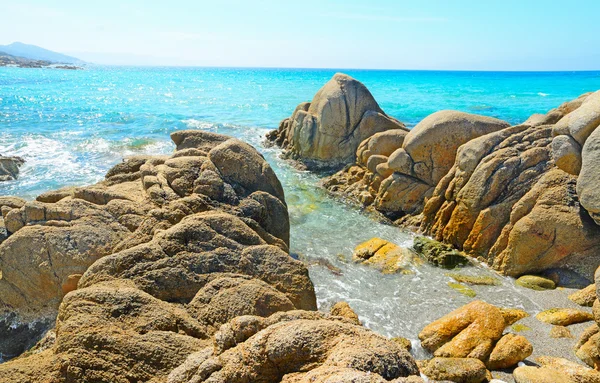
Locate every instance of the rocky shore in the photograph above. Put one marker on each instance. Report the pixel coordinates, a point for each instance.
(177, 268)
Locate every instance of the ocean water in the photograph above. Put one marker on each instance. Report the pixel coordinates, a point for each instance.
(72, 126)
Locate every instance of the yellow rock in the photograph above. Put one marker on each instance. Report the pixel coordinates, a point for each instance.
(512, 316)
(343, 309)
(384, 255)
(510, 350)
(560, 332)
(564, 317)
(585, 297)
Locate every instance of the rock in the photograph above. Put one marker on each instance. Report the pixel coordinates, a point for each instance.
(300, 343)
(564, 316)
(587, 348)
(432, 144)
(179, 254)
(9, 167)
(530, 374)
(558, 332)
(343, 309)
(535, 282)
(566, 153)
(468, 332)
(581, 122)
(439, 254)
(403, 342)
(510, 350)
(512, 316)
(556, 370)
(383, 255)
(328, 131)
(382, 143)
(585, 297)
(12, 202)
(587, 182)
(460, 370)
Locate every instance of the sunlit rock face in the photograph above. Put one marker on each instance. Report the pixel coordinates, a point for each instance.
(521, 198)
(164, 271)
(326, 132)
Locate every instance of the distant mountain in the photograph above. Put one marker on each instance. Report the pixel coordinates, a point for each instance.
(36, 53)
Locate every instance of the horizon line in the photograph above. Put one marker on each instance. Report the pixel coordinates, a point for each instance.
(344, 68)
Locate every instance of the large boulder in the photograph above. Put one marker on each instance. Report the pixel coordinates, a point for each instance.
(588, 183)
(326, 132)
(164, 271)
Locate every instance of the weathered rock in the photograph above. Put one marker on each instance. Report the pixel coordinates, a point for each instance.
(587, 348)
(300, 343)
(432, 144)
(558, 332)
(179, 254)
(9, 167)
(460, 370)
(384, 255)
(530, 374)
(588, 183)
(566, 153)
(439, 254)
(556, 370)
(382, 143)
(582, 121)
(585, 297)
(343, 309)
(535, 282)
(510, 350)
(328, 131)
(564, 316)
(468, 332)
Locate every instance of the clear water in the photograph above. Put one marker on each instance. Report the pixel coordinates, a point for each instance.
(72, 126)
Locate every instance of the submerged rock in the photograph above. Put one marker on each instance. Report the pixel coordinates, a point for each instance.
(564, 316)
(326, 132)
(9, 167)
(535, 282)
(385, 256)
(439, 254)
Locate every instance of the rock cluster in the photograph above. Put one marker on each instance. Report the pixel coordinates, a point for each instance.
(326, 132)
(173, 269)
(476, 330)
(9, 167)
(522, 198)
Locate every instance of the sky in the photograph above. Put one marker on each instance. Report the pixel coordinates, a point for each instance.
(375, 34)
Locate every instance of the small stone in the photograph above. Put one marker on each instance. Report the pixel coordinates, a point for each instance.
(585, 297)
(535, 282)
(518, 327)
(460, 370)
(560, 332)
(510, 350)
(564, 317)
(383, 255)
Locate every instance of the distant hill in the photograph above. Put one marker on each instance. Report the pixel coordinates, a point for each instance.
(33, 52)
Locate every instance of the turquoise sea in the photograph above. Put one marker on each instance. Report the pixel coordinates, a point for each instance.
(72, 126)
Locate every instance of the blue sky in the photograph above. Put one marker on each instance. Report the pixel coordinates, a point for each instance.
(418, 34)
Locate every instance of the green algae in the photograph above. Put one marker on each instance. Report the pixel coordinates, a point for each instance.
(439, 254)
(464, 290)
(475, 280)
(518, 327)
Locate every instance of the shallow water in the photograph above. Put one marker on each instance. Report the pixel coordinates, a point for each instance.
(72, 126)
